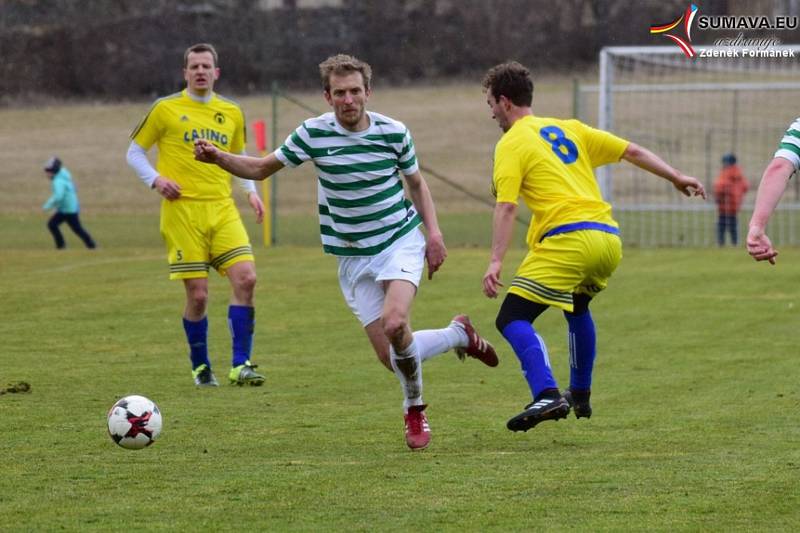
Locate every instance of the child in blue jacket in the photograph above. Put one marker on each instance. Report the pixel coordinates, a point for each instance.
(65, 201)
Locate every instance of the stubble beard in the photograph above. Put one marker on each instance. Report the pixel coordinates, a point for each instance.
(347, 123)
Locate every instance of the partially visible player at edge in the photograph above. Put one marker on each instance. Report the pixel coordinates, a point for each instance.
(573, 241)
(200, 223)
(362, 159)
(785, 162)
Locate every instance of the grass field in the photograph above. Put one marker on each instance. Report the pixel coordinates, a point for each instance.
(695, 425)
(696, 399)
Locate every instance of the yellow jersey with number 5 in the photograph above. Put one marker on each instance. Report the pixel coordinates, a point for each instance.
(173, 124)
(550, 164)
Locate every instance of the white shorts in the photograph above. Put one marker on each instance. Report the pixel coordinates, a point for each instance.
(361, 278)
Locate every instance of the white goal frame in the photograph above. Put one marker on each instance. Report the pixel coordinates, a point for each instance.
(728, 78)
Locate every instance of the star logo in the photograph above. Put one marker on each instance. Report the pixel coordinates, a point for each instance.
(685, 44)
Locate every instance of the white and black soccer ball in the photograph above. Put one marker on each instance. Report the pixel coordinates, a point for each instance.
(134, 422)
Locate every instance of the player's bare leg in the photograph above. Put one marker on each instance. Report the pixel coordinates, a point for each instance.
(242, 277)
(196, 298)
(405, 359)
(377, 338)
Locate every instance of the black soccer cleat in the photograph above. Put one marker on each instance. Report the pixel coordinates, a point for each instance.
(204, 377)
(245, 375)
(539, 411)
(579, 402)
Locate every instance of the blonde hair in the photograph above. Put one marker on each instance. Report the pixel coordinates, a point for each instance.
(342, 64)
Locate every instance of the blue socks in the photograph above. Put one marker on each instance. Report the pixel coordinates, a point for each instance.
(241, 321)
(582, 350)
(197, 335)
(532, 355)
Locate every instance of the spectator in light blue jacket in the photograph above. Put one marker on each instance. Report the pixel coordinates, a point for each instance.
(65, 201)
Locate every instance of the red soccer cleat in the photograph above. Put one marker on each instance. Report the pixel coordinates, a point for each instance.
(418, 433)
(478, 347)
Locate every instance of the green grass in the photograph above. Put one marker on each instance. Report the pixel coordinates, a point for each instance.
(26, 232)
(696, 399)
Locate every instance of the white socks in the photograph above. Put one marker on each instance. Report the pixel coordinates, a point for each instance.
(407, 365)
(431, 342)
(408, 369)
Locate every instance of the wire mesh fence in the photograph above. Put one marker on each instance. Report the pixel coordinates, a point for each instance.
(691, 113)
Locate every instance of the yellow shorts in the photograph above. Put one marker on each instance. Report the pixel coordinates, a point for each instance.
(203, 233)
(565, 264)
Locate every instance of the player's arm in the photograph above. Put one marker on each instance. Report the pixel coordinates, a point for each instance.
(435, 251)
(147, 133)
(243, 166)
(773, 184)
(137, 159)
(253, 198)
(505, 214)
(647, 160)
(238, 145)
(507, 176)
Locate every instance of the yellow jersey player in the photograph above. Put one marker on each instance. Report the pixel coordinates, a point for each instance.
(574, 243)
(200, 223)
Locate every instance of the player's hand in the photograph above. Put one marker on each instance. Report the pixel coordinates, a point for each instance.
(435, 253)
(257, 205)
(759, 246)
(491, 280)
(167, 188)
(205, 151)
(690, 186)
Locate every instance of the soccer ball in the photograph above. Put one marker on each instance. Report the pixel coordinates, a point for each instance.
(134, 422)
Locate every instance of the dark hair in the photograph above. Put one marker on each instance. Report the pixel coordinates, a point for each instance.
(511, 80)
(53, 165)
(728, 159)
(342, 64)
(200, 47)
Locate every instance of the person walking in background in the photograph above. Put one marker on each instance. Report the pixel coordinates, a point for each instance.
(574, 243)
(64, 199)
(200, 223)
(785, 162)
(363, 159)
(729, 190)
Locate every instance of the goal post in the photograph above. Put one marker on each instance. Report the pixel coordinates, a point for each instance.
(691, 112)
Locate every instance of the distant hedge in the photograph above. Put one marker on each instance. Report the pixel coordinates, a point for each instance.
(103, 49)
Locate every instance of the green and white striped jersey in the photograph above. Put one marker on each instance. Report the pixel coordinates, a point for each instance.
(362, 204)
(790, 144)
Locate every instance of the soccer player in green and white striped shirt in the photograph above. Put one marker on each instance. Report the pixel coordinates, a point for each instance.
(363, 160)
(774, 181)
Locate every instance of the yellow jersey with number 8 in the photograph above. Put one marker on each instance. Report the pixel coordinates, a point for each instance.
(550, 164)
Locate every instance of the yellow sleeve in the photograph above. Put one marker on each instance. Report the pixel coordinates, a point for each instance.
(507, 175)
(239, 141)
(602, 147)
(149, 129)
